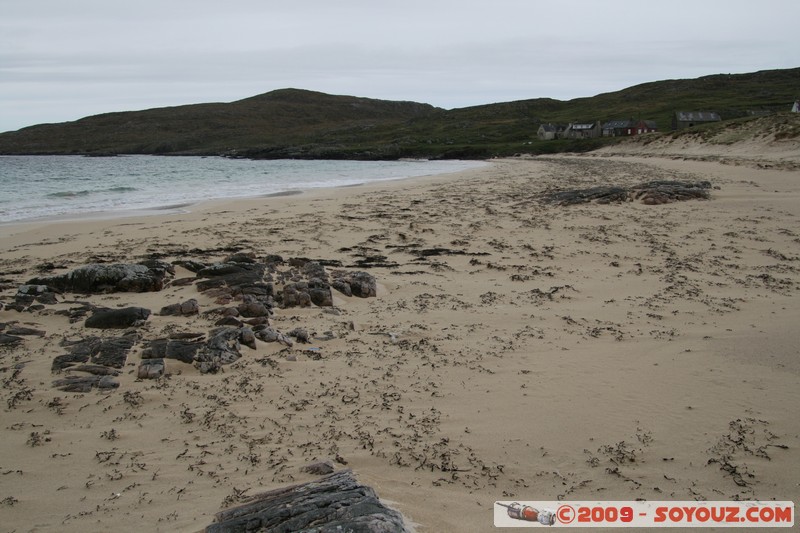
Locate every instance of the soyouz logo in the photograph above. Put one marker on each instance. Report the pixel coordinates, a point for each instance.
(748, 514)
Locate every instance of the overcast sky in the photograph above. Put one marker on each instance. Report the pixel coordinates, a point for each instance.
(62, 60)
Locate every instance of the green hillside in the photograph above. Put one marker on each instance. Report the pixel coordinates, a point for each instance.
(292, 123)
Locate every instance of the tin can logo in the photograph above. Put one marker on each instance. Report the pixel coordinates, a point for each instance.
(527, 513)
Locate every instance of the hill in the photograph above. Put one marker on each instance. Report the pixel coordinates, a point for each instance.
(287, 117)
(293, 123)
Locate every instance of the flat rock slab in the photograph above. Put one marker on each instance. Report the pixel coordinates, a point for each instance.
(85, 383)
(100, 278)
(649, 193)
(117, 318)
(151, 369)
(109, 352)
(187, 308)
(359, 284)
(28, 294)
(335, 503)
(9, 340)
(182, 349)
(21, 330)
(222, 348)
(234, 275)
(114, 352)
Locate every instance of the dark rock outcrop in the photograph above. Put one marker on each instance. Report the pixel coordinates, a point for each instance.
(85, 383)
(361, 284)
(151, 369)
(295, 295)
(300, 334)
(233, 275)
(192, 266)
(222, 348)
(109, 352)
(22, 330)
(268, 334)
(62, 362)
(247, 337)
(183, 349)
(252, 307)
(9, 340)
(28, 294)
(95, 370)
(187, 308)
(649, 193)
(101, 278)
(126, 317)
(304, 293)
(319, 468)
(114, 352)
(334, 503)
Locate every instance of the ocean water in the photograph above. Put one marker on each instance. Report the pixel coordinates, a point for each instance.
(33, 187)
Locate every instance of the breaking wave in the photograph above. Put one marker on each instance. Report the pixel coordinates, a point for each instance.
(78, 194)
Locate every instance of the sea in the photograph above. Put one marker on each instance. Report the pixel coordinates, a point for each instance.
(76, 187)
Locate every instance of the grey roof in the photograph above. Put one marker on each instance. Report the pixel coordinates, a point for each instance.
(552, 128)
(696, 116)
(586, 126)
(615, 124)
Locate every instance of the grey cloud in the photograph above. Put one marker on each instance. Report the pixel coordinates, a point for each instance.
(63, 60)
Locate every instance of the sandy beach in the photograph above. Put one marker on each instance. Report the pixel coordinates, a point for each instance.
(515, 350)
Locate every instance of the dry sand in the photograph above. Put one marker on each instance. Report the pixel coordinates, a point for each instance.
(608, 352)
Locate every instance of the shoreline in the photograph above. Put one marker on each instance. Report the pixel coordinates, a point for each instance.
(515, 350)
(186, 207)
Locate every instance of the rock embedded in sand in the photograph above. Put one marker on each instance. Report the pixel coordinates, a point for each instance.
(650, 193)
(300, 334)
(28, 294)
(361, 284)
(191, 266)
(114, 352)
(151, 369)
(296, 295)
(304, 293)
(23, 331)
(320, 292)
(109, 352)
(229, 321)
(9, 340)
(222, 348)
(241, 257)
(180, 349)
(187, 308)
(247, 337)
(251, 307)
(101, 278)
(85, 383)
(334, 503)
(319, 468)
(268, 334)
(231, 274)
(126, 317)
(95, 370)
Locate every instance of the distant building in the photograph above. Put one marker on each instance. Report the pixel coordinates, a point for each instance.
(796, 107)
(619, 128)
(687, 119)
(581, 130)
(548, 132)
